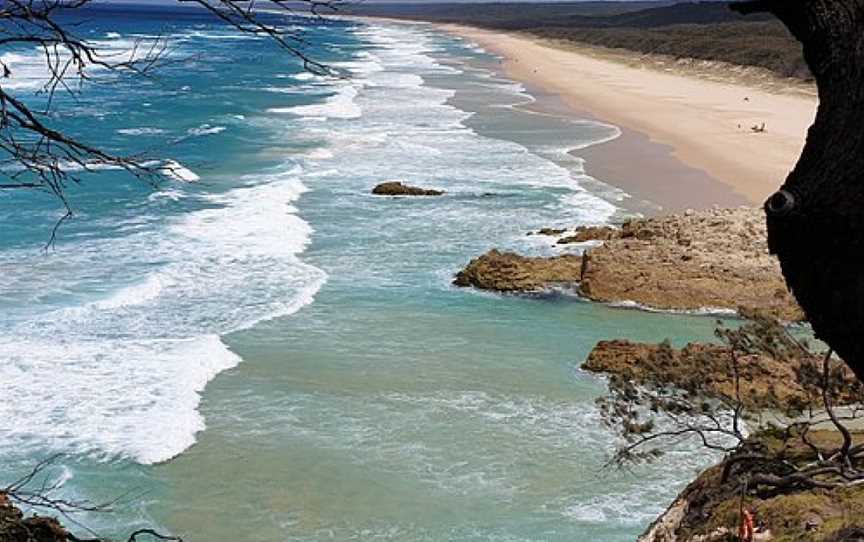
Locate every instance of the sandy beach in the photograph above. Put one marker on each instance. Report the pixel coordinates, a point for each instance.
(703, 123)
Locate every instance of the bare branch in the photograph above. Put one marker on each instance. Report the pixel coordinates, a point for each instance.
(37, 490)
(34, 154)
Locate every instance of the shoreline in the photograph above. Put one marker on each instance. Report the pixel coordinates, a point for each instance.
(679, 154)
(656, 181)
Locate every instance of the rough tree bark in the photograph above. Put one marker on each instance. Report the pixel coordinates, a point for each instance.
(816, 220)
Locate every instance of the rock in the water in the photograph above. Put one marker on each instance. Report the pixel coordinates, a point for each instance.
(396, 188)
(509, 272)
(708, 259)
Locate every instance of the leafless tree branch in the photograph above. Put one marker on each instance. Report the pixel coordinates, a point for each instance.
(35, 154)
(653, 417)
(37, 490)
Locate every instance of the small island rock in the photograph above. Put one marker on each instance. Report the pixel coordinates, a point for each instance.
(396, 188)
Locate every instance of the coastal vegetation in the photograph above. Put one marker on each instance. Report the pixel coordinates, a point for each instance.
(783, 417)
(706, 31)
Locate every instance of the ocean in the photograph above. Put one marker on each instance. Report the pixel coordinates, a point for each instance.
(259, 349)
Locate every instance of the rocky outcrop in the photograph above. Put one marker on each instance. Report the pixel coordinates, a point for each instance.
(14, 527)
(590, 233)
(765, 382)
(663, 529)
(396, 188)
(716, 258)
(708, 510)
(509, 272)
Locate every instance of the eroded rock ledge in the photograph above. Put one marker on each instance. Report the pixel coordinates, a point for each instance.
(509, 272)
(766, 382)
(710, 259)
(396, 188)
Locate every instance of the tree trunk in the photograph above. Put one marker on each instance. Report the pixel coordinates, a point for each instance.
(816, 220)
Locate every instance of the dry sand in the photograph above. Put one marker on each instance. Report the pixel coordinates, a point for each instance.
(704, 121)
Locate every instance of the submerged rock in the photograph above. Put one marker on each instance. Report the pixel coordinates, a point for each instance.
(396, 188)
(509, 272)
(548, 231)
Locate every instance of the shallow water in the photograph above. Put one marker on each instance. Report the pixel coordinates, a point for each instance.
(347, 389)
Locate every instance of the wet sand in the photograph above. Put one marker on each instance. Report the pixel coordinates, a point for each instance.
(686, 140)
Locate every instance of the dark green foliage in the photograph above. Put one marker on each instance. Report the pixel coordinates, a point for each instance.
(765, 45)
(701, 30)
(508, 15)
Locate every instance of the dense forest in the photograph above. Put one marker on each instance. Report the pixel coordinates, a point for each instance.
(700, 30)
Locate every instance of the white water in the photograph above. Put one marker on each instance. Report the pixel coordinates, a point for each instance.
(122, 375)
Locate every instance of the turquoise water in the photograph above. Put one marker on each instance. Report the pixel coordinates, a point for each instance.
(270, 353)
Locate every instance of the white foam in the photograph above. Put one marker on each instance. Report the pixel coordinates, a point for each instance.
(625, 508)
(121, 374)
(702, 311)
(220, 35)
(599, 209)
(320, 154)
(140, 131)
(87, 166)
(136, 294)
(303, 76)
(178, 172)
(166, 194)
(341, 105)
(106, 398)
(286, 90)
(29, 70)
(206, 129)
